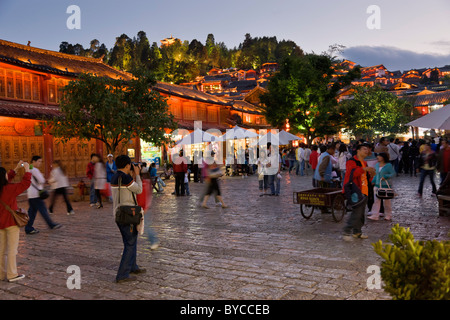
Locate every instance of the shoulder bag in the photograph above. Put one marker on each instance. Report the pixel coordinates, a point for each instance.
(43, 193)
(385, 193)
(352, 192)
(128, 215)
(20, 216)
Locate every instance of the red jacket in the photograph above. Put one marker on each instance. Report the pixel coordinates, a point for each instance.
(356, 174)
(90, 170)
(9, 196)
(313, 159)
(180, 165)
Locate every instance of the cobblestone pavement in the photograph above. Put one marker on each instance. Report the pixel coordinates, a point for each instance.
(259, 248)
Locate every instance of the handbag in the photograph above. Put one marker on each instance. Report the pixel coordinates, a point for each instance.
(43, 193)
(352, 193)
(20, 216)
(385, 193)
(128, 215)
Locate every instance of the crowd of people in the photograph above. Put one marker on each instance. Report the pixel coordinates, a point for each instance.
(370, 166)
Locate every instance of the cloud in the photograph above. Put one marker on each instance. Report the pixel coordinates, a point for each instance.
(394, 58)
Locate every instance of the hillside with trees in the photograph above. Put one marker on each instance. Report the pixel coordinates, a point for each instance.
(183, 61)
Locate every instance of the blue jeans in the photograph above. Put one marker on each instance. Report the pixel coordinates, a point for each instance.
(301, 166)
(37, 204)
(271, 182)
(128, 261)
(277, 185)
(423, 175)
(92, 196)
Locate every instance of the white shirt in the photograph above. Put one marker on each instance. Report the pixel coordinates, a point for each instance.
(300, 152)
(393, 151)
(37, 182)
(58, 179)
(306, 154)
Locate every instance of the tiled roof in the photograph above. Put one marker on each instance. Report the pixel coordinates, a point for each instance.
(429, 99)
(188, 93)
(56, 62)
(27, 110)
(244, 106)
(189, 125)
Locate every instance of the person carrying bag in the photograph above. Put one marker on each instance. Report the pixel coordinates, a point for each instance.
(127, 213)
(9, 225)
(383, 191)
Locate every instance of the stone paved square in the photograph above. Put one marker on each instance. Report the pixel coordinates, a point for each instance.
(260, 248)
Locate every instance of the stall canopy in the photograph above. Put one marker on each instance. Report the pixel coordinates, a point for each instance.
(198, 136)
(238, 133)
(439, 119)
(281, 138)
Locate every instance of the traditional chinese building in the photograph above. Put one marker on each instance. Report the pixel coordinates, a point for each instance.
(30, 79)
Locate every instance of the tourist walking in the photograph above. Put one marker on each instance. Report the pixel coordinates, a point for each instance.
(59, 183)
(9, 231)
(128, 188)
(306, 156)
(342, 159)
(34, 199)
(90, 175)
(362, 174)
(291, 159)
(214, 173)
(414, 155)
(300, 159)
(180, 169)
(100, 178)
(427, 165)
(443, 160)
(111, 168)
(262, 161)
(384, 172)
(394, 154)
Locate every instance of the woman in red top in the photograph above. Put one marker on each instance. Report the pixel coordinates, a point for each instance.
(9, 231)
(314, 157)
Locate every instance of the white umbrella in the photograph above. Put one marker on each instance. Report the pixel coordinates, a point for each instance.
(282, 137)
(238, 133)
(439, 119)
(198, 136)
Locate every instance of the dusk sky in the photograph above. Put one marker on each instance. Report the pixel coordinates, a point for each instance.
(411, 34)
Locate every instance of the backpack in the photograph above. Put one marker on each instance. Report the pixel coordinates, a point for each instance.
(352, 192)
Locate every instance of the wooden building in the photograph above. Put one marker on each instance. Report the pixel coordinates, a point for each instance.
(30, 79)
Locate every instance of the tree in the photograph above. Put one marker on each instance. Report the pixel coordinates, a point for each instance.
(112, 111)
(303, 92)
(373, 111)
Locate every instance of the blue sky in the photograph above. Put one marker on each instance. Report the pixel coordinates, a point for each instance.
(412, 34)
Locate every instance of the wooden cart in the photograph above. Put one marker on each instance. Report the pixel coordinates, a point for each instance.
(321, 198)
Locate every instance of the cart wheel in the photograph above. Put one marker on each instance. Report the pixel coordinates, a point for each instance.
(338, 208)
(306, 210)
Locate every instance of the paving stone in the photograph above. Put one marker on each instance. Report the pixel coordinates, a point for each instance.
(259, 248)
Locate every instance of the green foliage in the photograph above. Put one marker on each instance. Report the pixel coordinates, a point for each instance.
(414, 270)
(301, 92)
(374, 111)
(184, 61)
(112, 111)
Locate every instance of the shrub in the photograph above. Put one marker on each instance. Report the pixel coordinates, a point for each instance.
(414, 270)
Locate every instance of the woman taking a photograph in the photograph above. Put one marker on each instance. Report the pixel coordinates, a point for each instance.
(384, 172)
(9, 231)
